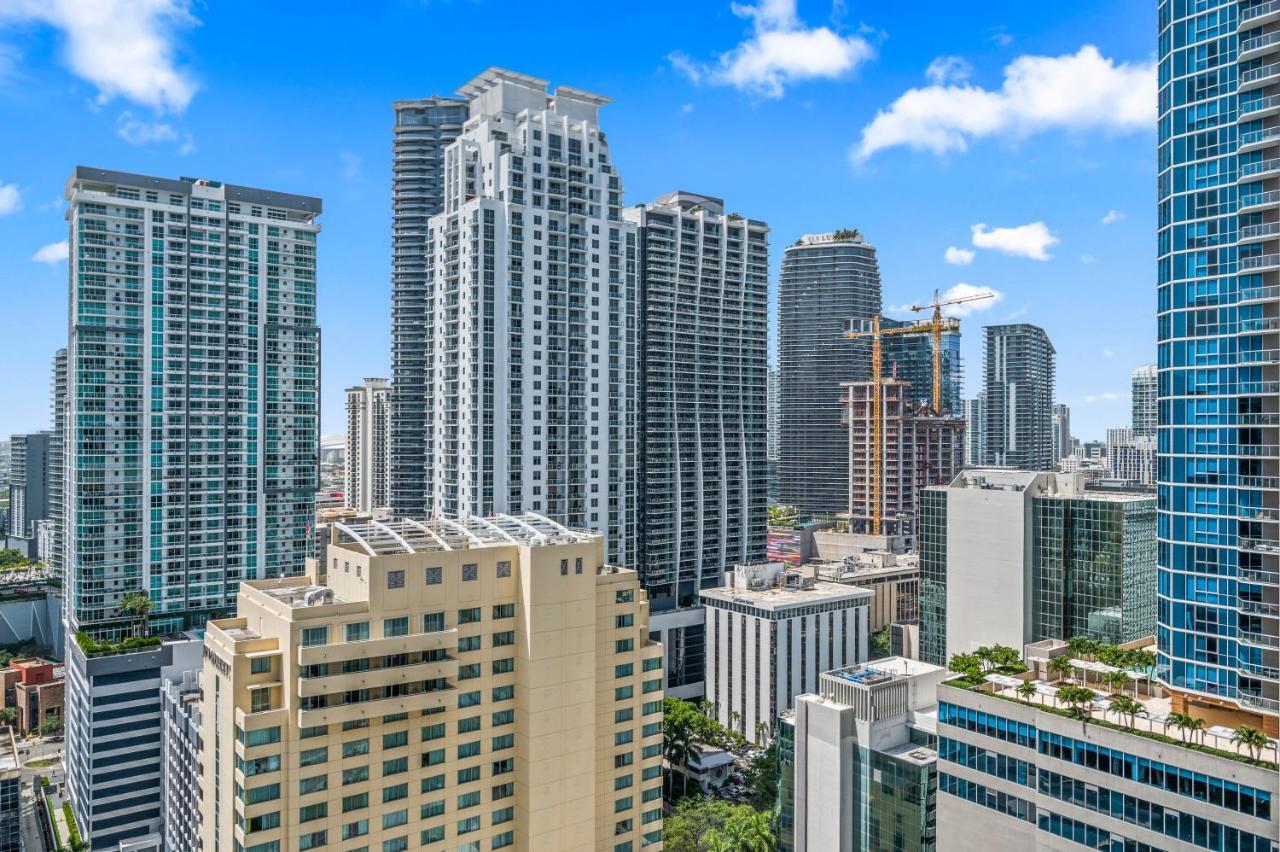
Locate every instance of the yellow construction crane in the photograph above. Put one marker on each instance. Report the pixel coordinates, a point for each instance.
(934, 327)
(937, 325)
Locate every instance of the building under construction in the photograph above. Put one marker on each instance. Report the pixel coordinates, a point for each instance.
(917, 448)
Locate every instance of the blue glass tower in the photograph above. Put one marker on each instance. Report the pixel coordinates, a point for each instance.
(1219, 342)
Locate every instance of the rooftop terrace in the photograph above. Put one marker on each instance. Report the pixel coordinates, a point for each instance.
(380, 538)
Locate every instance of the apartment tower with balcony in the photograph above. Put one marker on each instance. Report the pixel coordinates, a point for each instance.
(1018, 381)
(1218, 274)
(484, 683)
(367, 471)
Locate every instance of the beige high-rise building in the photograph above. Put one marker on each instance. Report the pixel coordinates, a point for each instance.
(463, 685)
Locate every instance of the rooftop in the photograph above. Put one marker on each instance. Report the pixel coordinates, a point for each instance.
(780, 598)
(10, 761)
(380, 538)
(884, 670)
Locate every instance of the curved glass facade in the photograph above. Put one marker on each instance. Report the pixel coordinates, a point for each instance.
(1219, 316)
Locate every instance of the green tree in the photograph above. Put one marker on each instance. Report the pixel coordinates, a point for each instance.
(1117, 681)
(11, 558)
(1026, 689)
(51, 726)
(1082, 647)
(762, 778)
(1007, 658)
(138, 607)
(9, 715)
(881, 645)
(968, 666)
(1062, 667)
(1079, 699)
(1123, 705)
(699, 825)
(1251, 738)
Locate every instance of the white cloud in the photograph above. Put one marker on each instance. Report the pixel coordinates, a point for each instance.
(959, 291)
(1023, 240)
(781, 50)
(1112, 217)
(52, 253)
(135, 131)
(1107, 353)
(686, 108)
(958, 256)
(1076, 91)
(1001, 37)
(1088, 258)
(948, 69)
(123, 47)
(10, 198)
(1106, 396)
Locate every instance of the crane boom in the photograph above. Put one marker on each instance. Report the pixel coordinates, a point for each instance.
(938, 325)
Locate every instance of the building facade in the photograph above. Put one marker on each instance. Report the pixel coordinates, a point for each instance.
(975, 431)
(1061, 424)
(114, 737)
(915, 449)
(770, 633)
(1131, 457)
(192, 432)
(1017, 774)
(10, 794)
(30, 475)
(858, 771)
(367, 464)
(57, 464)
(1013, 557)
(1144, 395)
(484, 683)
(702, 449)
(1018, 383)
(828, 280)
(529, 331)
(180, 771)
(424, 127)
(1218, 334)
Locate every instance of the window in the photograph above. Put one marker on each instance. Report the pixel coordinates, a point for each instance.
(436, 782)
(395, 579)
(503, 791)
(621, 760)
(355, 802)
(622, 782)
(260, 700)
(622, 738)
(355, 748)
(504, 717)
(504, 693)
(469, 643)
(314, 840)
(319, 810)
(466, 750)
(358, 631)
(625, 620)
(313, 756)
(469, 616)
(433, 732)
(359, 828)
(651, 795)
(433, 835)
(315, 636)
(433, 622)
(433, 758)
(470, 572)
(313, 731)
(624, 670)
(469, 699)
(577, 565)
(394, 819)
(265, 793)
(623, 715)
(469, 775)
(651, 664)
(622, 646)
(468, 825)
(504, 611)
(469, 800)
(469, 671)
(564, 567)
(263, 736)
(314, 784)
(503, 840)
(504, 570)
(501, 767)
(652, 686)
(355, 775)
(651, 751)
(624, 596)
(650, 707)
(431, 810)
(395, 844)
(395, 626)
(651, 729)
(435, 576)
(504, 666)
(622, 693)
(501, 640)
(260, 665)
(504, 741)
(623, 804)
(469, 724)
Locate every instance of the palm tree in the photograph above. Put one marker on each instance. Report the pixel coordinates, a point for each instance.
(1251, 738)
(1123, 705)
(1026, 689)
(677, 751)
(1178, 720)
(1196, 726)
(1082, 646)
(1078, 698)
(986, 656)
(737, 834)
(139, 606)
(1117, 680)
(760, 836)
(1061, 666)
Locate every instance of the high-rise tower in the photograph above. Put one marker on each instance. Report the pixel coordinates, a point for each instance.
(423, 129)
(827, 281)
(1143, 399)
(529, 322)
(1218, 275)
(1018, 373)
(702, 491)
(366, 483)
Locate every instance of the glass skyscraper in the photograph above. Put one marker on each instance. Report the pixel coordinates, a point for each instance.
(1219, 374)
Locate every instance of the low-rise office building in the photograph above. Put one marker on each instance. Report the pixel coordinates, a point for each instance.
(481, 683)
(857, 765)
(770, 633)
(1020, 773)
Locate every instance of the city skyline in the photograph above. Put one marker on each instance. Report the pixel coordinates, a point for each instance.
(667, 90)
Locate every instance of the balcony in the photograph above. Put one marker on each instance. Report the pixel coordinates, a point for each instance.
(1261, 640)
(1252, 48)
(1259, 201)
(1257, 702)
(1269, 610)
(346, 681)
(1258, 138)
(1260, 168)
(337, 652)
(1257, 77)
(1259, 263)
(1260, 545)
(1256, 16)
(1260, 108)
(1254, 233)
(1260, 577)
(379, 707)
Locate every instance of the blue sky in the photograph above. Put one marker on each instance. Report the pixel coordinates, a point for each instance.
(1015, 140)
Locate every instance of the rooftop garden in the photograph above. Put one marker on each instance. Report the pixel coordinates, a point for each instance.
(1075, 698)
(104, 648)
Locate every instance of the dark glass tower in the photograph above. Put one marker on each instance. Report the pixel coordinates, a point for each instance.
(1018, 373)
(827, 281)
